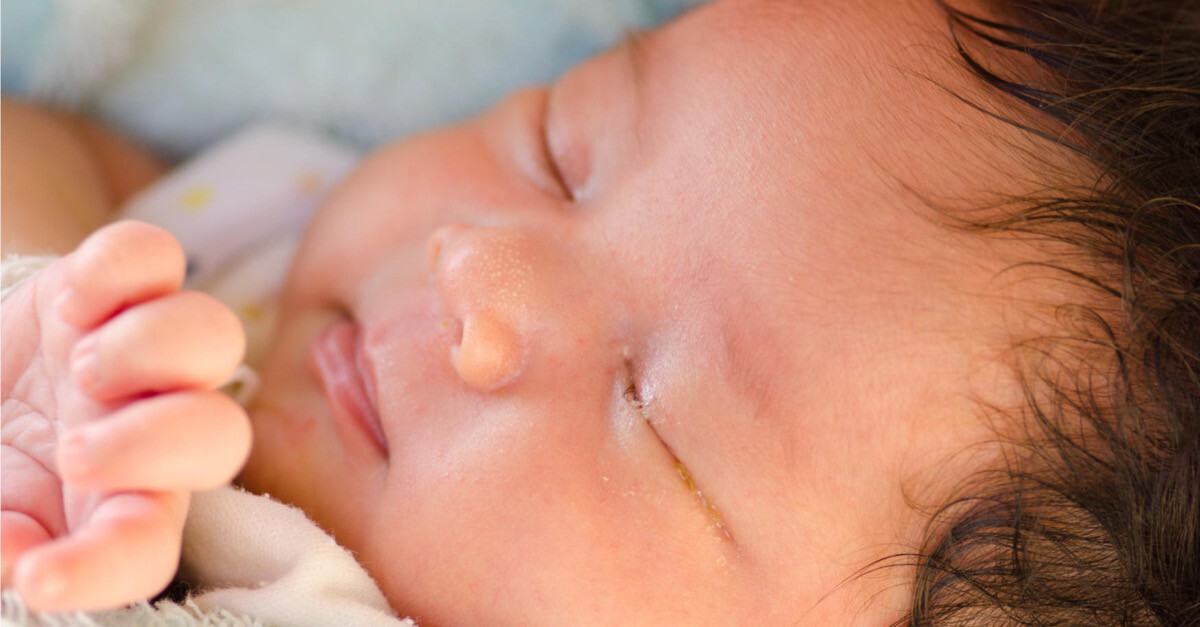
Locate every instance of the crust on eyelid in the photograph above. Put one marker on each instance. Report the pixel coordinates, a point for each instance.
(718, 525)
(632, 397)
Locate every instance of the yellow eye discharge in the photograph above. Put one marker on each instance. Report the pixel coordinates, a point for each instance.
(709, 508)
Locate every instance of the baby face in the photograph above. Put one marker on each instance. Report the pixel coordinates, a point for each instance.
(670, 341)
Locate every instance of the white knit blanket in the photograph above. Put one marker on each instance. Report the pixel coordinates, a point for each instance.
(250, 560)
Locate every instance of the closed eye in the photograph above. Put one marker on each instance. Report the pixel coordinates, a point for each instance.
(718, 523)
(633, 398)
(551, 164)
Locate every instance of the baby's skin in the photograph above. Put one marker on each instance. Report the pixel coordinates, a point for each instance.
(674, 340)
(111, 419)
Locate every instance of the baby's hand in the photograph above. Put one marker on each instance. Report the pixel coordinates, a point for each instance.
(110, 419)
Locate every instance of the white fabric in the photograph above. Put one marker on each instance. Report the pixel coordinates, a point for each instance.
(249, 554)
(250, 187)
(13, 613)
(179, 75)
(17, 268)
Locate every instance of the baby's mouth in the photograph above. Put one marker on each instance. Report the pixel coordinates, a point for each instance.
(337, 359)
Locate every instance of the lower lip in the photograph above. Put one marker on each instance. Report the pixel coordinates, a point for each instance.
(337, 359)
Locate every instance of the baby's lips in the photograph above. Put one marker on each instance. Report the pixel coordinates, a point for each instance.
(491, 354)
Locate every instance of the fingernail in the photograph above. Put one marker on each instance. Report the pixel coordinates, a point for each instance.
(85, 363)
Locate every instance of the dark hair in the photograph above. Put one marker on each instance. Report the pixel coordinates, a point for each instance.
(1095, 520)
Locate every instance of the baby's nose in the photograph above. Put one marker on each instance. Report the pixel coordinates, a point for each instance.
(486, 278)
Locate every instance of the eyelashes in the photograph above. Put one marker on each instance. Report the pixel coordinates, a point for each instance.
(633, 393)
(633, 397)
(552, 166)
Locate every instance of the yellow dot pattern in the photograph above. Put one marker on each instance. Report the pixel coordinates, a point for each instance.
(252, 312)
(194, 199)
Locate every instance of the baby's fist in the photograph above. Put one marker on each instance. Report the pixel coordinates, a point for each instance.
(125, 368)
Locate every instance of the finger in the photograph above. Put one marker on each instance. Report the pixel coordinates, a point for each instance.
(187, 340)
(127, 551)
(183, 441)
(18, 534)
(120, 265)
(30, 477)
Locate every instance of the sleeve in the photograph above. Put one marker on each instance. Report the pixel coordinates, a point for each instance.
(251, 554)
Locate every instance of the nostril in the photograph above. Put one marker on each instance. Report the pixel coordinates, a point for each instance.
(485, 276)
(490, 355)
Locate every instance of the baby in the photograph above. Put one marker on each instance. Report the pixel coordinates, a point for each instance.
(766, 317)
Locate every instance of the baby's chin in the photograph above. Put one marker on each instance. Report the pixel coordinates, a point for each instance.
(274, 468)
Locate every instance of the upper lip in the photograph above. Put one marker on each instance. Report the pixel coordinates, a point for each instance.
(401, 344)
